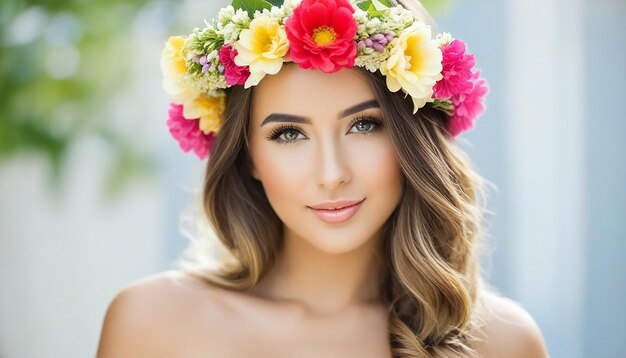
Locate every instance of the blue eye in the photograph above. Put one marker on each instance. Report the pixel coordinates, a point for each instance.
(287, 134)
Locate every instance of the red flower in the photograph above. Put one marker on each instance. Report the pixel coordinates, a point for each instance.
(235, 75)
(321, 35)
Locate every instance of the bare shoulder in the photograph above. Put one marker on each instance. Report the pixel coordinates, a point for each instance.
(148, 313)
(508, 330)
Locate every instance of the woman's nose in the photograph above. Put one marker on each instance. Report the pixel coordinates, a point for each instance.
(333, 165)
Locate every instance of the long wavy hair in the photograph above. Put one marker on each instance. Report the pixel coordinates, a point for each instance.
(432, 240)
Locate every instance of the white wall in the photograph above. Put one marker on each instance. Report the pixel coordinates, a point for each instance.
(63, 257)
(546, 147)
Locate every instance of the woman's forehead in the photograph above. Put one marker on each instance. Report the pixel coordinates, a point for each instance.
(302, 91)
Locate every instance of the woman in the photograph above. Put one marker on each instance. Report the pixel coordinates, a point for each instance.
(350, 218)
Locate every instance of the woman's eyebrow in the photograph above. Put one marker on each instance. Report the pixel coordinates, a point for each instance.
(372, 103)
(292, 118)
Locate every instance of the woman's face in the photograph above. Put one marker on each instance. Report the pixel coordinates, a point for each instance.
(319, 138)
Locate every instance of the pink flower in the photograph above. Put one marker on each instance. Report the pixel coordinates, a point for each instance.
(468, 106)
(457, 71)
(321, 35)
(235, 75)
(187, 132)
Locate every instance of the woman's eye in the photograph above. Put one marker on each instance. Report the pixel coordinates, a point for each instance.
(366, 126)
(285, 135)
(288, 134)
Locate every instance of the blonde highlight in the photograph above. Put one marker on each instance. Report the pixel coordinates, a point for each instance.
(432, 244)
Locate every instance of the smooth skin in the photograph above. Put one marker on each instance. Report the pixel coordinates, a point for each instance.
(321, 298)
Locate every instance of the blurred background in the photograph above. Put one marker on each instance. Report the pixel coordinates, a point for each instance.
(92, 187)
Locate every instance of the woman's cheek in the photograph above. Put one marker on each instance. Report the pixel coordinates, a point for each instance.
(282, 173)
(375, 160)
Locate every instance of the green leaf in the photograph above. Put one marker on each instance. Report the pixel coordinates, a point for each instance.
(385, 2)
(443, 105)
(375, 10)
(252, 5)
(277, 3)
(364, 5)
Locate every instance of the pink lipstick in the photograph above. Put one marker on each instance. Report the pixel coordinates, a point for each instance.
(336, 212)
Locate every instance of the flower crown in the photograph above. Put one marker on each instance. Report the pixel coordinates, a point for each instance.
(253, 38)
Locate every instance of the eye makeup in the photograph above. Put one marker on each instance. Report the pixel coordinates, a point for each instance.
(276, 134)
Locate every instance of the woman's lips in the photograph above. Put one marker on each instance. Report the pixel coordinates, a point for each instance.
(338, 215)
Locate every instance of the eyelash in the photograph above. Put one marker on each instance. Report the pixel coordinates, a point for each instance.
(278, 131)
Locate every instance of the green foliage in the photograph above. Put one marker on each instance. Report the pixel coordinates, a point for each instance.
(367, 5)
(277, 3)
(44, 110)
(252, 5)
(445, 106)
(375, 8)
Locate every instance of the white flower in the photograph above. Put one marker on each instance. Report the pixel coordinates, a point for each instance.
(359, 15)
(443, 39)
(233, 27)
(225, 15)
(241, 18)
(211, 55)
(275, 13)
(414, 64)
(289, 6)
(373, 25)
(399, 19)
(230, 32)
(372, 61)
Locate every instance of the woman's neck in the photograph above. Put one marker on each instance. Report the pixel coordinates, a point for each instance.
(322, 282)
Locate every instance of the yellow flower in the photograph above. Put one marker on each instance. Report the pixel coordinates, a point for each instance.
(174, 68)
(261, 47)
(209, 109)
(414, 64)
